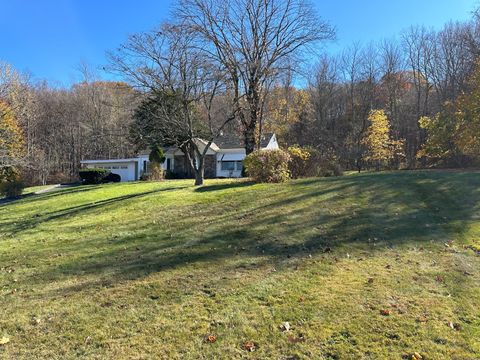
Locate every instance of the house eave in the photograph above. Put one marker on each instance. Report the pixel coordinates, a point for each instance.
(108, 161)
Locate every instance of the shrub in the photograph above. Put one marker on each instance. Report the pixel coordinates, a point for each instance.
(156, 173)
(92, 176)
(326, 164)
(157, 155)
(299, 163)
(169, 174)
(11, 184)
(111, 177)
(11, 189)
(269, 166)
(9, 173)
(309, 162)
(330, 168)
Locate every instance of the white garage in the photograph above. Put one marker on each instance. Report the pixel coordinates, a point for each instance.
(128, 169)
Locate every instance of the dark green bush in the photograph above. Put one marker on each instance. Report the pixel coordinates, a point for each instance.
(169, 174)
(111, 177)
(157, 155)
(11, 189)
(92, 176)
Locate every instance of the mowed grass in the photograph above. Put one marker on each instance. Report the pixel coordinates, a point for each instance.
(369, 266)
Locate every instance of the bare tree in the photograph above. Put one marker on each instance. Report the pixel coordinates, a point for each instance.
(418, 44)
(252, 41)
(181, 86)
(452, 61)
(392, 66)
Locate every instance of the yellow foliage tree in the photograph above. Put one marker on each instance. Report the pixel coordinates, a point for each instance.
(381, 147)
(12, 140)
(284, 108)
(441, 132)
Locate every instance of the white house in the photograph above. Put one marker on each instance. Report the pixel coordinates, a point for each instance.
(224, 159)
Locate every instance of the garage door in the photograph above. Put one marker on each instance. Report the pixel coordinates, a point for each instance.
(126, 170)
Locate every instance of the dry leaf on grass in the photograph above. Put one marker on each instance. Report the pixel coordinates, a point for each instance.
(210, 338)
(417, 356)
(4, 340)
(385, 312)
(250, 346)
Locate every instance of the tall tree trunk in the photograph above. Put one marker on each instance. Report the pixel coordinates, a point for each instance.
(249, 135)
(199, 168)
(253, 99)
(199, 176)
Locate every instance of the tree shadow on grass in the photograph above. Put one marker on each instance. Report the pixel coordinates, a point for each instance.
(16, 227)
(367, 213)
(226, 186)
(32, 197)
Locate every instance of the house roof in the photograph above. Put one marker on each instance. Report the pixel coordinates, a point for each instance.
(108, 161)
(230, 141)
(225, 141)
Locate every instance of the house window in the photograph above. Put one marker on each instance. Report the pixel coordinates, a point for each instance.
(228, 165)
(239, 165)
(169, 164)
(144, 166)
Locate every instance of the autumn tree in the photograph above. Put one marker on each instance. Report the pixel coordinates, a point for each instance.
(12, 141)
(440, 146)
(452, 134)
(284, 109)
(381, 148)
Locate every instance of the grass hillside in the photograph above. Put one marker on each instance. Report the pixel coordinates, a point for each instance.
(370, 266)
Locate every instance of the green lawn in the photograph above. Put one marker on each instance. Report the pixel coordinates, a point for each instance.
(369, 266)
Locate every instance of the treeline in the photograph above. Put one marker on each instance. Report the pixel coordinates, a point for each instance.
(420, 81)
(60, 127)
(406, 103)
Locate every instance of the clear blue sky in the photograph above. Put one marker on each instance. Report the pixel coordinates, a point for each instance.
(49, 38)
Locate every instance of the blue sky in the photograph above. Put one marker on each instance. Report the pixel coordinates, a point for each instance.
(49, 38)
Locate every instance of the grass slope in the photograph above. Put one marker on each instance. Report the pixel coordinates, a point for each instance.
(147, 270)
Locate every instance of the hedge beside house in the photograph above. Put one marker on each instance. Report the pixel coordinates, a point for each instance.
(269, 166)
(93, 176)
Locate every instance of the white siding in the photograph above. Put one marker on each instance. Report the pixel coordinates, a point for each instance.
(126, 170)
(237, 154)
(273, 143)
